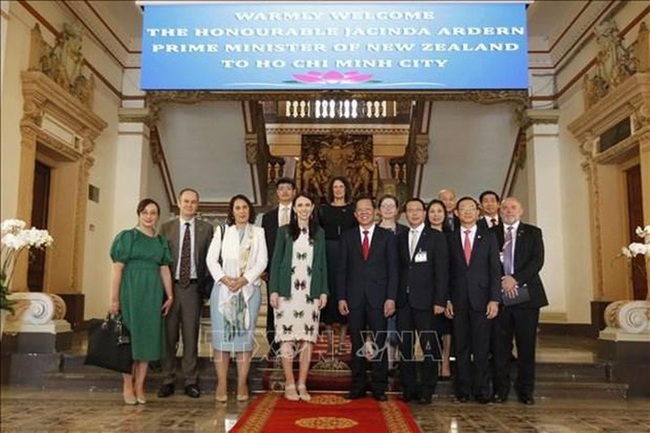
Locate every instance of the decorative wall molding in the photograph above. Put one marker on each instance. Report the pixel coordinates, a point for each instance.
(45, 99)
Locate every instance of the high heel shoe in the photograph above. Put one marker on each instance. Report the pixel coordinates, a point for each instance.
(243, 394)
(302, 392)
(221, 395)
(290, 393)
(141, 400)
(130, 400)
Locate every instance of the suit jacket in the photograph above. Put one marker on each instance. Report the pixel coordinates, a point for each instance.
(203, 232)
(374, 280)
(528, 261)
(445, 224)
(482, 222)
(473, 286)
(282, 264)
(270, 226)
(427, 281)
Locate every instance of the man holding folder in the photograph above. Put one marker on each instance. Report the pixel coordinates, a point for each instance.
(522, 255)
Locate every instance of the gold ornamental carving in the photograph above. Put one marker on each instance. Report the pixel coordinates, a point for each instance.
(252, 152)
(422, 149)
(64, 62)
(614, 61)
(479, 96)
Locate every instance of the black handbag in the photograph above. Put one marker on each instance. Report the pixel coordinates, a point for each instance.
(109, 345)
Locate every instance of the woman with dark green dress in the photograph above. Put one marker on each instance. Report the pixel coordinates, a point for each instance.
(141, 279)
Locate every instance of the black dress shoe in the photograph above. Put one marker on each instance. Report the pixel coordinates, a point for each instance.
(379, 396)
(462, 398)
(353, 395)
(408, 397)
(483, 400)
(192, 391)
(527, 400)
(499, 399)
(425, 399)
(166, 390)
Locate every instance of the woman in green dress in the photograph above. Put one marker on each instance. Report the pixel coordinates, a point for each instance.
(141, 279)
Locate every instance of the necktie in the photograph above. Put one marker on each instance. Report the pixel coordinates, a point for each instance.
(365, 246)
(507, 252)
(493, 222)
(185, 269)
(284, 218)
(467, 247)
(413, 242)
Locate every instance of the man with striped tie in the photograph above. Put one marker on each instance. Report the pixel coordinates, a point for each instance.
(522, 252)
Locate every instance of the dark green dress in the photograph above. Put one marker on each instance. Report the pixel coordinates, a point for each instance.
(141, 290)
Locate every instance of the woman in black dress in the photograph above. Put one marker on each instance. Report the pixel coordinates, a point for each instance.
(335, 216)
(436, 214)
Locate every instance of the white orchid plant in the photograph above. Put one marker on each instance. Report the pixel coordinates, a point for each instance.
(636, 248)
(15, 239)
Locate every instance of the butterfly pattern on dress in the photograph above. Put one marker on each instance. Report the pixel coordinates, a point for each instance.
(298, 314)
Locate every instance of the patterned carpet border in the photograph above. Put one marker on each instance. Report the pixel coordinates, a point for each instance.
(271, 413)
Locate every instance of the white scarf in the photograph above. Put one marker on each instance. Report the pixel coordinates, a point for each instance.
(235, 256)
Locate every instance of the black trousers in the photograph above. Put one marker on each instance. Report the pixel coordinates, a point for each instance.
(410, 321)
(471, 341)
(363, 322)
(520, 324)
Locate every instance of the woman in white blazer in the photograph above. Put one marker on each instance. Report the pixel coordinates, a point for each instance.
(236, 259)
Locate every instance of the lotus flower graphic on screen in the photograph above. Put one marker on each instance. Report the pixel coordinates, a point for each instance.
(332, 77)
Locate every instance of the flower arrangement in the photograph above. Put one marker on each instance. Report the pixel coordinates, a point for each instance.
(15, 239)
(636, 248)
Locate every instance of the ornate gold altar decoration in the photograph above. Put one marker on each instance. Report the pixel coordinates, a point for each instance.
(615, 62)
(336, 154)
(63, 62)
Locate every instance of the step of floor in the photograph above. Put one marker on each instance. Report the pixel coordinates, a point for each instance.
(553, 381)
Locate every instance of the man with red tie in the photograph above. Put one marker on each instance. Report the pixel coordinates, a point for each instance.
(474, 287)
(366, 291)
(490, 206)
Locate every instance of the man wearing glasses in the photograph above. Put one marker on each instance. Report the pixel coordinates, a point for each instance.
(474, 286)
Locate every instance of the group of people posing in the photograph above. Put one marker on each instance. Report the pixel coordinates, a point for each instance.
(457, 267)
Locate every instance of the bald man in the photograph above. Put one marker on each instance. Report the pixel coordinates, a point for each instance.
(522, 253)
(448, 197)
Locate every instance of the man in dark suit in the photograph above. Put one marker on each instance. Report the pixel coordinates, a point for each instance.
(271, 221)
(523, 257)
(422, 292)
(366, 290)
(475, 292)
(448, 197)
(490, 209)
(189, 239)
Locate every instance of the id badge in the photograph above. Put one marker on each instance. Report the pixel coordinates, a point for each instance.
(421, 257)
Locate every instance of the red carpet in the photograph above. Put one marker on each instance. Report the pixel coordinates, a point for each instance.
(271, 413)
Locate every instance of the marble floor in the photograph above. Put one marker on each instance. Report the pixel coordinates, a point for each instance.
(28, 410)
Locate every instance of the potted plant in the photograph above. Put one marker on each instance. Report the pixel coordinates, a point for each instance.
(15, 239)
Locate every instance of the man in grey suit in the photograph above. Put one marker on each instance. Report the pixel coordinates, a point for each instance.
(189, 239)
